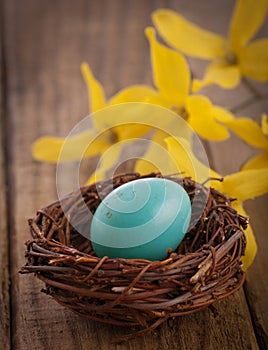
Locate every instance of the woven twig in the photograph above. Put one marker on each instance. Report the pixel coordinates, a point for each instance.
(206, 266)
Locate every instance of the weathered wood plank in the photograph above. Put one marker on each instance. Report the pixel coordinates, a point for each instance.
(4, 261)
(230, 155)
(256, 282)
(4, 248)
(46, 41)
(256, 286)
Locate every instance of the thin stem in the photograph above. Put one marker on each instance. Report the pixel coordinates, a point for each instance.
(251, 88)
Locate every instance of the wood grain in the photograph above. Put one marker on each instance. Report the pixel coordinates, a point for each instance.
(228, 156)
(4, 245)
(256, 286)
(45, 44)
(256, 283)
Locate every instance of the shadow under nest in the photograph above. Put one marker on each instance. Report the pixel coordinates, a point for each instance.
(204, 268)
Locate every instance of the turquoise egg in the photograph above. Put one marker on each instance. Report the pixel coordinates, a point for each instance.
(141, 219)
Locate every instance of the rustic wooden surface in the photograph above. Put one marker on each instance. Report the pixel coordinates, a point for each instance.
(4, 245)
(43, 44)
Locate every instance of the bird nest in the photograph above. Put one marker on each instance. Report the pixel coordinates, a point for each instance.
(204, 268)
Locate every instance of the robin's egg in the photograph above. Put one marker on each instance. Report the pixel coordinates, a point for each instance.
(141, 219)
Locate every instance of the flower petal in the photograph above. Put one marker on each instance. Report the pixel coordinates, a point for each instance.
(246, 184)
(50, 149)
(181, 152)
(227, 77)
(138, 93)
(156, 156)
(108, 161)
(247, 18)
(249, 131)
(170, 71)
(147, 165)
(131, 131)
(264, 124)
(95, 90)
(221, 114)
(201, 119)
(186, 36)
(134, 119)
(251, 248)
(258, 162)
(253, 60)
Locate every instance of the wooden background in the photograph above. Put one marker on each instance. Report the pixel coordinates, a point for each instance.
(42, 92)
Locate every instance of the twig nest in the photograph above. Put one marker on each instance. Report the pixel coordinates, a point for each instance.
(204, 268)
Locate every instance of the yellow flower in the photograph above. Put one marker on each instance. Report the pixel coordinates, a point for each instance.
(48, 148)
(233, 57)
(172, 79)
(242, 186)
(254, 135)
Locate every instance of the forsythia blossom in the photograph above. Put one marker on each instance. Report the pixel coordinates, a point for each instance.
(48, 148)
(231, 57)
(241, 185)
(254, 135)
